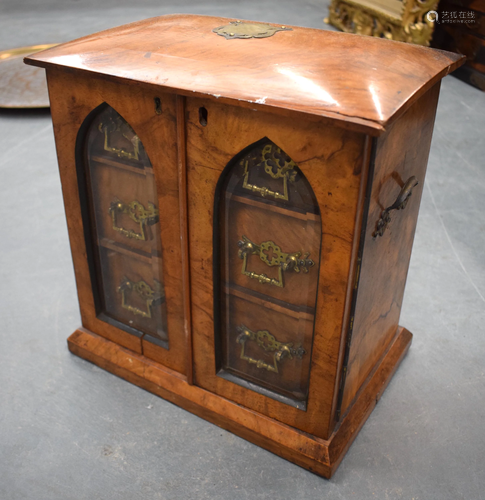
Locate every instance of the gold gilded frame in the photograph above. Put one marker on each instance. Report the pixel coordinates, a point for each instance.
(400, 20)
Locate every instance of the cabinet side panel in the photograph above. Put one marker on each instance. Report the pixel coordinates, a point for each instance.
(401, 153)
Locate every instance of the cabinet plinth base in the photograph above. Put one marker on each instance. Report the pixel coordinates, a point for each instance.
(317, 455)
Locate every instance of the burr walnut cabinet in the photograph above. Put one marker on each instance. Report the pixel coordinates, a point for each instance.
(241, 201)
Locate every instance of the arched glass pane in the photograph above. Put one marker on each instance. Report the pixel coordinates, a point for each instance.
(125, 232)
(269, 236)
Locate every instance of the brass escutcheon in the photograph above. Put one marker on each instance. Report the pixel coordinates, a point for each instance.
(272, 255)
(152, 297)
(138, 213)
(119, 125)
(242, 29)
(268, 342)
(277, 167)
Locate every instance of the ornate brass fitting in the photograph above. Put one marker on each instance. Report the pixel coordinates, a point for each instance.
(144, 291)
(276, 166)
(241, 29)
(137, 213)
(400, 204)
(117, 124)
(272, 255)
(268, 342)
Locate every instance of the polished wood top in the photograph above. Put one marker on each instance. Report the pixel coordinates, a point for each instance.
(363, 81)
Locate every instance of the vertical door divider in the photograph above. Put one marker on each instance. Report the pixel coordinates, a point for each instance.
(184, 231)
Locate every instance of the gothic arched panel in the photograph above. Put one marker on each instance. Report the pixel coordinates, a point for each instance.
(123, 225)
(267, 239)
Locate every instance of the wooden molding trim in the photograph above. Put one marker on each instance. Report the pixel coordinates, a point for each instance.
(317, 455)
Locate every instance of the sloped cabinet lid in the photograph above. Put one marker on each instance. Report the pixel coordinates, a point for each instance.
(361, 80)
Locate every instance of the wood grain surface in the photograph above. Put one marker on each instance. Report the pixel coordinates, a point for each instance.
(317, 455)
(260, 223)
(72, 101)
(361, 81)
(401, 153)
(332, 160)
(287, 326)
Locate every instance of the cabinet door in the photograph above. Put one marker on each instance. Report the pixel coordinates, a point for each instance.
(267, 240)
(118, 161)
(272, 207)
(125, 227)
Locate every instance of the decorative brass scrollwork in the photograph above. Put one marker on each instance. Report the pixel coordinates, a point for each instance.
(400, 204)
(276, 165)
(117, 124)
(144, 291)
(244, 29)
(269, 343)
(272, 255)
(138, 213)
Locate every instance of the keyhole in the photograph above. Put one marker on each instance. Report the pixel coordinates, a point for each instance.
(158, 106)
(203, 116)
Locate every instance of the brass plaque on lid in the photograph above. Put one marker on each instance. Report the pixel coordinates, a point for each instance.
(240, 29)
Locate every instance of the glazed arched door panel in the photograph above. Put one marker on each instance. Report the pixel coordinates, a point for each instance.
(268, 236)
(124, 227)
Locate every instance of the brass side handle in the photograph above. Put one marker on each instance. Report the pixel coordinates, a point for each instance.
(272, 255)
(152, 297)
(268, 343)
(137, 213)
(276, 166)
(119, 125)
(400, 204)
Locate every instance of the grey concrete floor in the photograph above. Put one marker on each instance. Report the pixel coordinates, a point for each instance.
(69, 430)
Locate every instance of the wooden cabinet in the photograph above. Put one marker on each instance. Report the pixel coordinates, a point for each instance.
(241, 208)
